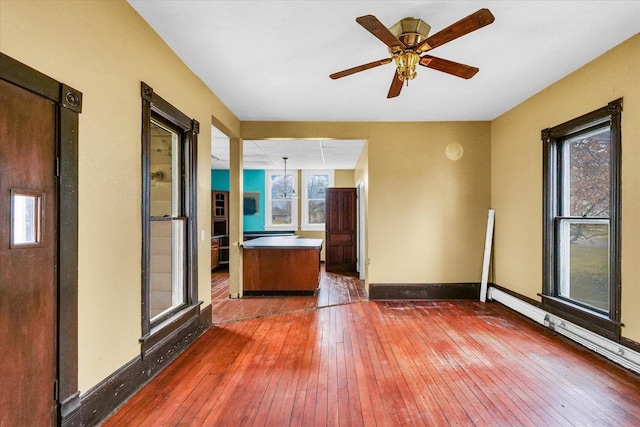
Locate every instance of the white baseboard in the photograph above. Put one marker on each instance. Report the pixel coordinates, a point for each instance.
(612, 350)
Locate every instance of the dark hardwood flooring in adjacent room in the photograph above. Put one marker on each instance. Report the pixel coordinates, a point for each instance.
(338, 359)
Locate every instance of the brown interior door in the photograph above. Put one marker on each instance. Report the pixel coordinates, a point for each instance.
(28, 221)
(340, 238)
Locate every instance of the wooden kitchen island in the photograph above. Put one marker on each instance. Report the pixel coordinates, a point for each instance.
(281, 266)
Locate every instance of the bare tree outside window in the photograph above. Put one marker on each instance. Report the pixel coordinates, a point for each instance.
(316, 190)
(281, 206)
(584, 230)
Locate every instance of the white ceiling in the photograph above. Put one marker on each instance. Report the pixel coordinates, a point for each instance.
(271, 60)
(302, 154)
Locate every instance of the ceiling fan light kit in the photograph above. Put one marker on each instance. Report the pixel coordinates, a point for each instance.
(409, 38)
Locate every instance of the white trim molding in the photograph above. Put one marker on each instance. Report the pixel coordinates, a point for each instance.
(612, 350)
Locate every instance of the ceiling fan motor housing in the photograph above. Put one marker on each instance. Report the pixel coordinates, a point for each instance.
(410, 31)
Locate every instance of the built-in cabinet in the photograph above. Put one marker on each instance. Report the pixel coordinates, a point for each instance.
(219, 228)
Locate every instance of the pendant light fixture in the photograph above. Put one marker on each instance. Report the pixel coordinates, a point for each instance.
(287, 194)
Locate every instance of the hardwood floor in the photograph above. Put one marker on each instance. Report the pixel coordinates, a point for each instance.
(305, 361)
(334, 289)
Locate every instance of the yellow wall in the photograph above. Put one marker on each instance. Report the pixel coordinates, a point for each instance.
(344, 178)
(516, 172)
(426, 213)
(105, 49)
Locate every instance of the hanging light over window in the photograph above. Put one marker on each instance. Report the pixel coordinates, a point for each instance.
(287, 193)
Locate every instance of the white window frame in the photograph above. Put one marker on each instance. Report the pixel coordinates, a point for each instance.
(269, 226)
(305, 197)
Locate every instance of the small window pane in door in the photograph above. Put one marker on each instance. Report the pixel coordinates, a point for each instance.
(25, 218)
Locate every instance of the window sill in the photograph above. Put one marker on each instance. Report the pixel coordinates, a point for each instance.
(313, 227)
(169, 327)
(288, 227)
(592, 321)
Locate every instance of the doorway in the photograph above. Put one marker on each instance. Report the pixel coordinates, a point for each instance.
(341, 242)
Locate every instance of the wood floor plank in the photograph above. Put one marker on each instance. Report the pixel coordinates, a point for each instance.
(496, 388)
(367, 374)
(354, 410)
(321, 404)
(273, 338)
(428, 409)
(541, 372)
(351, 362)
(305, 370)
(248, 394)
(392, 403)
(284, 394)
(310, 401)
(496, 358)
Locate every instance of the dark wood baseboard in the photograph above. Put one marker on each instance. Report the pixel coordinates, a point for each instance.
(277, 293)
(71, 411)
(106, 397)
(633, 345)
(421, 291)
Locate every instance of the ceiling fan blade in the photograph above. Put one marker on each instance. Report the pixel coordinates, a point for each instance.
(359, 68)
(449, 67)
(377, 28)
(464, 26)
(396, 86)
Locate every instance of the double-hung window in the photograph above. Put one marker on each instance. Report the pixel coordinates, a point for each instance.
(314, 186)
(282, 201)
(169, 235)
(582, 220)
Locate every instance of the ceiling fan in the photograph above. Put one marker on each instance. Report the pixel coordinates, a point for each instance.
(407, 40)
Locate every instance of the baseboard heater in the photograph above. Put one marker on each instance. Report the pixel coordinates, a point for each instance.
(612, 350)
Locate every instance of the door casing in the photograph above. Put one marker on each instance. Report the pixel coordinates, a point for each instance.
(68, 106)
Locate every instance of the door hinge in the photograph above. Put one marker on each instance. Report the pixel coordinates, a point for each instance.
(57, 166)
(56, 390)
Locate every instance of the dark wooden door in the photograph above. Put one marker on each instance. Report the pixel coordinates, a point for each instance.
(340, 233)
(28, 222)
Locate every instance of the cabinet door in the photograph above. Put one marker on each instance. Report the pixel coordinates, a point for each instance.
(219, 204)
(215, 253)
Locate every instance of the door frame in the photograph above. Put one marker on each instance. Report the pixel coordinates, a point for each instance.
(361, 252)
(68, 102)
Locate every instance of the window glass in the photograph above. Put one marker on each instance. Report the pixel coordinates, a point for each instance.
(167, 279)
(316, 190)
(584, 262)
(25, 219)
(313, 204)
(587, 182)
(585, 191)
(281, 201)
